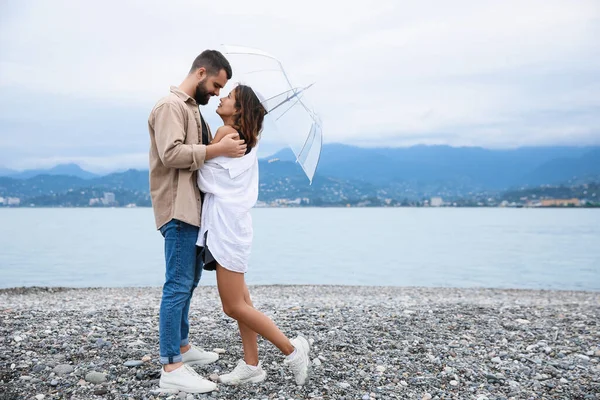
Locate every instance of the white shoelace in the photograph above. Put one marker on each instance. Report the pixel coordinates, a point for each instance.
(191, 371)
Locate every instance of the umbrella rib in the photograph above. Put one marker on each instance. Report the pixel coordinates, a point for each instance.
(296, 94)
(289, 108)
(277, 95)
(285, 101)
(305, 143)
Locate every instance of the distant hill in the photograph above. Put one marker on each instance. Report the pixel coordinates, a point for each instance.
(471, 166)
(7, 171)
(347, 172)
(61, 169)
(567, 168)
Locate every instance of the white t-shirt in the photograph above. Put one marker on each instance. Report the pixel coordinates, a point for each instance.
(231, 190)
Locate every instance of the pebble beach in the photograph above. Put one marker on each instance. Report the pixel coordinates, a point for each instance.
(367, 343)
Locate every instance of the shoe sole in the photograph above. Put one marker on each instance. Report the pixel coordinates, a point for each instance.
(184, 389)
(254, 379)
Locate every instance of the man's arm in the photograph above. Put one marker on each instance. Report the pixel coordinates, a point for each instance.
(169, 135)
(229, 146)
(221, 132)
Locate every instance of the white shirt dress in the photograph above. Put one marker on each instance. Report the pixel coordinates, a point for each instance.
(230, 186)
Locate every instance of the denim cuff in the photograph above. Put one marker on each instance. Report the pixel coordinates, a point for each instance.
(184, 342)
(171, 360)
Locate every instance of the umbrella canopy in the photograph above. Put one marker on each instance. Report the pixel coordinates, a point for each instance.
(288, 109)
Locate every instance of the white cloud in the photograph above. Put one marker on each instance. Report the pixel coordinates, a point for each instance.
(495, 73)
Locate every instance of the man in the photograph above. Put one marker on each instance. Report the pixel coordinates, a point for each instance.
(179, 139)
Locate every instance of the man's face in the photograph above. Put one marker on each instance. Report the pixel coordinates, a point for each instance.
(209, 85)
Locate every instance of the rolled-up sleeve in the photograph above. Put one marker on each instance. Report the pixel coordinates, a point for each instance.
(170, 134)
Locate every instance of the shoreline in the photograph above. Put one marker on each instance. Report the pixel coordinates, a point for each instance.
(321, 206)
(368, 342)
(55, 289)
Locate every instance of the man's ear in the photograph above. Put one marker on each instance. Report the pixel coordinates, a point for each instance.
(201, 73)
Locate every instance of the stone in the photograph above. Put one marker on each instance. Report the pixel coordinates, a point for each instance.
(63, 369)
(39, 368)
(95, 377)
(133, 363)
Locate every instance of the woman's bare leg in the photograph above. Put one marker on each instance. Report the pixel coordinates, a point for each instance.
(249, 337)
(232, 287)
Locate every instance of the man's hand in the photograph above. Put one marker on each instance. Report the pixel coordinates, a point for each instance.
(232, 146)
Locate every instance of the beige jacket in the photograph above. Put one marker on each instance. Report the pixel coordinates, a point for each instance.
(176, 153)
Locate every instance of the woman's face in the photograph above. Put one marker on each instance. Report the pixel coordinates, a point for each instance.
(226, 106)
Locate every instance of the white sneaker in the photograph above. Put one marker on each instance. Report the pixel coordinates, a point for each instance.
(244, 373)
(197, 356)
(185, 379)
(299, 362)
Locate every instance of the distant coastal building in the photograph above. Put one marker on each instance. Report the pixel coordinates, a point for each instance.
(560, 202)
(13, 201)
(2, 201)
(108, 199)
(436, 202)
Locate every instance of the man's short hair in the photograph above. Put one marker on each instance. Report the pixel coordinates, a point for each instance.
(213, 61)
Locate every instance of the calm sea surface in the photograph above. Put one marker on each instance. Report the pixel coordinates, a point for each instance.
(478, 247)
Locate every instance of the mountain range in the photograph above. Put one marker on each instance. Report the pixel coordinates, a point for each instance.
(473, 166)
(347, 172)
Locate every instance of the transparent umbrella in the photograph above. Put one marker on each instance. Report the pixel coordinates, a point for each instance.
(288, 109)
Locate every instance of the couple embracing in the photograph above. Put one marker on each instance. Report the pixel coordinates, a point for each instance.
(203, 188)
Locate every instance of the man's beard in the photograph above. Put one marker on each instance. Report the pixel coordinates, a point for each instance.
(202, 95)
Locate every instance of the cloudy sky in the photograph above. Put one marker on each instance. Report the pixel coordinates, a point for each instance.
(78, 78)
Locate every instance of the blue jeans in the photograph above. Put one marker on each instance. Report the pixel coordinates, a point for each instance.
(183, 272)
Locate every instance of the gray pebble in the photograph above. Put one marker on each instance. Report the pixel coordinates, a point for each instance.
(374, 351)
(133, 363)
(95, 377)
(63, 369)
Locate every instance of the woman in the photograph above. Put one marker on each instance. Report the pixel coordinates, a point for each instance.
(231, 190)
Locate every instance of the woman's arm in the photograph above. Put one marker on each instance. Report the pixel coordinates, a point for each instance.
(222, 132)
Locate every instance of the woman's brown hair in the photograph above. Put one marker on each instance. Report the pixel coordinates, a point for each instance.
(249, 118)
